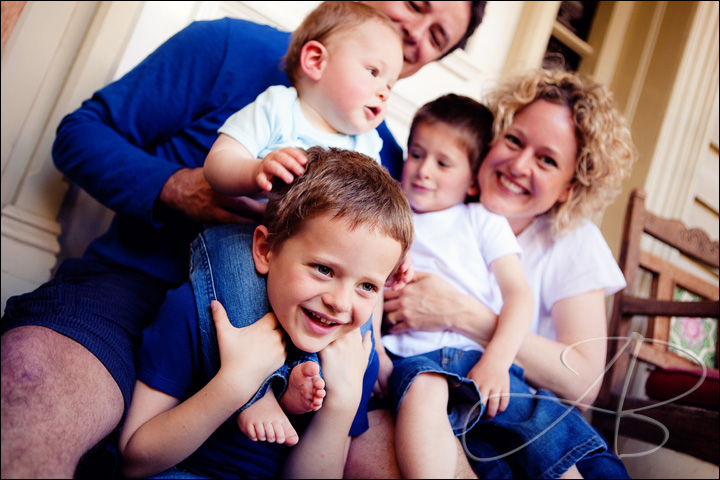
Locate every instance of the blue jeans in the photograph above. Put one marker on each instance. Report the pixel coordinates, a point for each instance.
(222, 268)
(538, 437)
(464, 407)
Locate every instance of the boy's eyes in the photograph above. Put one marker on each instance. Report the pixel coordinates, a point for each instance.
(327, 271)
(323, 270)
(373, 71)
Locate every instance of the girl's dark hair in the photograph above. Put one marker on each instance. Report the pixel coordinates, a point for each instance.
(472, 120)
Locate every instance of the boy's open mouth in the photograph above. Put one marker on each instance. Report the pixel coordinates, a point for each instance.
(319, 319)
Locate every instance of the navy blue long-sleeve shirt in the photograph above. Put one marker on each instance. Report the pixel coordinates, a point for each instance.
(123, 144)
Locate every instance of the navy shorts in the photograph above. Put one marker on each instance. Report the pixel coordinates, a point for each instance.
(102, 307)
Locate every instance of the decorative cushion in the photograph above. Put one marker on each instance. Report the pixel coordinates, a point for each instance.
(664, 384)
(697, 335)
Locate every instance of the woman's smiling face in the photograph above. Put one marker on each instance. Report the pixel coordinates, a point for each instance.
(529, 169)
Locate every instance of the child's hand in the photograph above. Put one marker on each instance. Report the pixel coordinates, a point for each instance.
(386, 368)
(283, 163)
(343, 363)
(403, 275)
(494, 386)
(249, 354)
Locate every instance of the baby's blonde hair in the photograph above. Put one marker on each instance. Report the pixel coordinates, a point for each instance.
(323, 22)
(606, 151)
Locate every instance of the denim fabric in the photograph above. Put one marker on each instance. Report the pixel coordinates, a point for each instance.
(538, 437)
(464, 407)
(222, 268)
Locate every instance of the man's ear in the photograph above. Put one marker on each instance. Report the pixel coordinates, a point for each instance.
(261, 249)
(313, 59)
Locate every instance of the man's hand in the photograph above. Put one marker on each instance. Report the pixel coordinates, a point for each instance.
(187, 192)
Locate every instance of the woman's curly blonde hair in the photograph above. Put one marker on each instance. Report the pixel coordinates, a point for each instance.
(606, 150)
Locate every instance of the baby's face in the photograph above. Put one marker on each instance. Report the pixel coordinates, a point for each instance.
(324, 281)
(437, 172)
(363, 65)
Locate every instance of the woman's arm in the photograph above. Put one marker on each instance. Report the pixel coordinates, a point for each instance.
(323, 446)
(429, 303)
(580, 318)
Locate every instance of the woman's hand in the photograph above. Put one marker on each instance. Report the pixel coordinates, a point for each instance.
(429, 303)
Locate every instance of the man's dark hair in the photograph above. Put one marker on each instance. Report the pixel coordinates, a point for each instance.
(477, 10)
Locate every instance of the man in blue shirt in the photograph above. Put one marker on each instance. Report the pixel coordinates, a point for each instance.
(136, 146)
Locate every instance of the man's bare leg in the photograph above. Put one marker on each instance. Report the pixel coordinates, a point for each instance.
(372, 454)
(58, 401)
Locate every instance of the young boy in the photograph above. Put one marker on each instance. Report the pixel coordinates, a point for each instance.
(330, 241)
(342, 62)
(442, 377)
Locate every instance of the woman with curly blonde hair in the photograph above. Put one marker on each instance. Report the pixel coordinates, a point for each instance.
(605, 147)
(559, 155)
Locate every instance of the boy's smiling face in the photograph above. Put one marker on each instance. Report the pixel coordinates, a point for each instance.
(324, 281)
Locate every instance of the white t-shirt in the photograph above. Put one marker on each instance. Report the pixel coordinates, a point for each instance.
(574, 263)
(274, 120)
(458, 244)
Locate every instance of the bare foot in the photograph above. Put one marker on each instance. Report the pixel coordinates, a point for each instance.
(264, 420)
(305, 391)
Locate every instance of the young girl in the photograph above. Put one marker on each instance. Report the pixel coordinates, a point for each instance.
(440, 379)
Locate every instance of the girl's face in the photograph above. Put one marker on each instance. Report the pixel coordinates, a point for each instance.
(530, 169)
(324, 281)
(429, 29)
(437, 173)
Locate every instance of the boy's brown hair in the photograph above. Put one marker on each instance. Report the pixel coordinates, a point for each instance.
(326, 20)
(349, 185)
